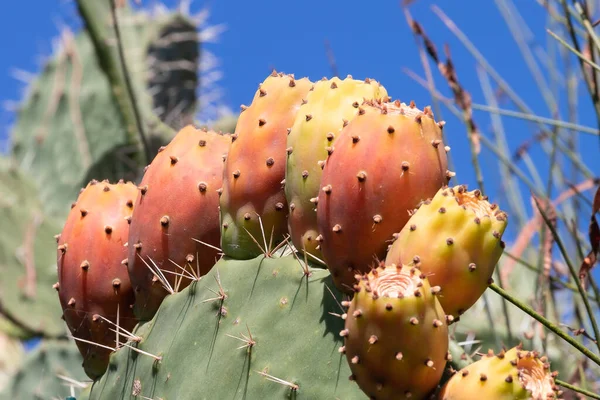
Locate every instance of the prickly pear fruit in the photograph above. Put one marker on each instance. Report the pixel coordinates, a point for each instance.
(386, 160)
(515, 374)
(176, 217)
(456, 239)
(93, 284)
(395, 336)
(253, 204)
(329, 107)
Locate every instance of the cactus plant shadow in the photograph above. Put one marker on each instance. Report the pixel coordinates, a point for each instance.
(245, 374)
(331, 303)
(116, 163)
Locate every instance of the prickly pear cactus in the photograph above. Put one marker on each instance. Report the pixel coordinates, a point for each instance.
(514, 374)
(175, 229)
(396, 335)
(77, 121)
(27, 258)
(254, 329)
(456, 239)
(93, 284)
(56, 136)
(53, 370)
(253, 205)
(387, 160)
(162, 53)
(328, 108)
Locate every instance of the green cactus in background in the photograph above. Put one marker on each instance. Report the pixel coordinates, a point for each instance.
(78, 120)
(11, 353)
(52, 371)
(264, 328)
(27, 258)
(109, 96)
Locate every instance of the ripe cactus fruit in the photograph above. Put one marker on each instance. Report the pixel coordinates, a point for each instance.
(514, 374)
(456, 239)
(93, 286)
(395, 336)
(177, 203)
(386, 160)
(329, 107)
(255, 168)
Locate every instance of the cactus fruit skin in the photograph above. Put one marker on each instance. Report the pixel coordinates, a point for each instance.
(177, 203)
(328, 108)
(92, 280)
(201, 335)
(396, 335)
(255, 168)
(456, 236)
(515, 374)
(386, 160)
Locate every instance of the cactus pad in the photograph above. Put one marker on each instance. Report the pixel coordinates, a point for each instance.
(253, 329)
(27, 259)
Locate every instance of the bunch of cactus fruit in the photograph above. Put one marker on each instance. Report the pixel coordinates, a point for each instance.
(318, 251)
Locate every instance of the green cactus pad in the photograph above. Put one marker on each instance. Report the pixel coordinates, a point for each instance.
(200, 339)
(42, 374)
(77, 122)
(67, 123)
(27, 258)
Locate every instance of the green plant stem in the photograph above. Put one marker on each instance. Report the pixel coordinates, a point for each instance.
(546, 322)
(567, 385)
(460, 358)
(577, 50)
(574, 275)
(558, 281)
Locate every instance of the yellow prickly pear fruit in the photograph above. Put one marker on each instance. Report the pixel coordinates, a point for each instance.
(513, 375)
(455, 239)
(395, 336)
(329, 106)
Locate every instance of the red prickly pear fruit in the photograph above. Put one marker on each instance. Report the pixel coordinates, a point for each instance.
(385, 162)
(395, 336)
(92, 281)
(456, 239)
(175, 226)
(515, 374)
(328, 108)
(253, 206)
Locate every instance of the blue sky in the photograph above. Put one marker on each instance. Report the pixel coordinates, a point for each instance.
(368, 39)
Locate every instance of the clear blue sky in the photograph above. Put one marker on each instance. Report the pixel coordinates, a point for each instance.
(368, 39)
